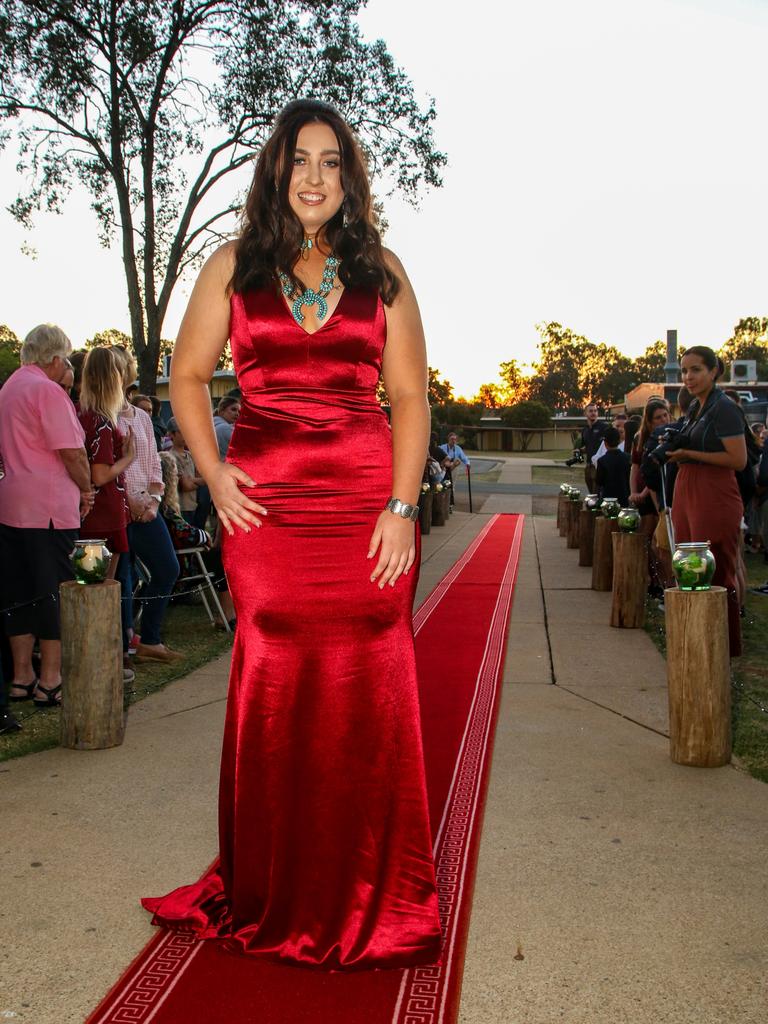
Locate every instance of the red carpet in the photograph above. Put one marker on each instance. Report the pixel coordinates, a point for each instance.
(460, 637)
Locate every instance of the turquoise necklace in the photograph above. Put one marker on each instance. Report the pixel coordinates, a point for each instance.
(310, 297)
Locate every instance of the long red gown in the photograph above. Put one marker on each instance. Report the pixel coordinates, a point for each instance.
(324, 838)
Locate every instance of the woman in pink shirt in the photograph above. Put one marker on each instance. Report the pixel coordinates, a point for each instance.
(148, 535)
(45, 493)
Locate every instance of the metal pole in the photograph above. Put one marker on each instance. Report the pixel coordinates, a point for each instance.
(469, 487)
(667, 514)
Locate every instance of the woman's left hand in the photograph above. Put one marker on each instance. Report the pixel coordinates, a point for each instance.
(395, 540)
(678, 454)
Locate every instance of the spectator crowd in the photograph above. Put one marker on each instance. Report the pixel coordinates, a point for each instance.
(701, 477)
(84, 455)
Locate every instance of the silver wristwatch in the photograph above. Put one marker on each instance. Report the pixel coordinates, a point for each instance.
(400, 508)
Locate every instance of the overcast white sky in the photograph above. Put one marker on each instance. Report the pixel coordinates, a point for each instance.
(608, 167)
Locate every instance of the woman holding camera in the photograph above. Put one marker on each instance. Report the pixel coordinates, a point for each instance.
(707, 503)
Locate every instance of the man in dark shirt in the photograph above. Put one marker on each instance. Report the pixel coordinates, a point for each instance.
(592, 433)
(613, 469)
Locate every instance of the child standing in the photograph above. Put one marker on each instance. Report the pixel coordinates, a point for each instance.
(612, 472)
(189, 481)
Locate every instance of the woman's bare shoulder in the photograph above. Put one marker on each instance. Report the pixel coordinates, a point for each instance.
(405, 295)
(393, 262)
(219, 267)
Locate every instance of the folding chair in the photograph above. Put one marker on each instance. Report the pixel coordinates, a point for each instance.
(206, 575)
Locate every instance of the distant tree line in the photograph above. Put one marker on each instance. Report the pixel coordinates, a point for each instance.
(572, 370)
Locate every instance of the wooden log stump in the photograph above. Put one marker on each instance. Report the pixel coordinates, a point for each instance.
(698, 677)
(92, 714)
(602, 554)
(425, 511)
(563, 502)
(572, 524)
(586, 536)
(630, 572)
(439, 507)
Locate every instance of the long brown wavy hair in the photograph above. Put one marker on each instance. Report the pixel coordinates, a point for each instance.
(651, 406)
(271, 234)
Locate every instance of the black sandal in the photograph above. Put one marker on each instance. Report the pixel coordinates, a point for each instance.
(51, 702)
(29, 689)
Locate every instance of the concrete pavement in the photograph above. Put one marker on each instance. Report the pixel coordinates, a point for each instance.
(612, 885)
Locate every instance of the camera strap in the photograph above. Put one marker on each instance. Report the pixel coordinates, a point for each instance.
(705, 416)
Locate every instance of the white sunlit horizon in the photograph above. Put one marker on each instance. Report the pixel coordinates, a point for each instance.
(606, 171)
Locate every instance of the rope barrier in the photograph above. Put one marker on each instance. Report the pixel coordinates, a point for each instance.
(138, 597)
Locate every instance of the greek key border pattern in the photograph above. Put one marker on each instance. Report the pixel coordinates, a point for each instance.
(423, 1001)
(150, 982)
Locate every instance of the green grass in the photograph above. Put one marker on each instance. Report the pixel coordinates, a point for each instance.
(489, 476)
(559, 475)
(749, 690)
(187, 629)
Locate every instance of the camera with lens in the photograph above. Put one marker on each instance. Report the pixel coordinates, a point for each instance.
(671, 440)
(578, 456)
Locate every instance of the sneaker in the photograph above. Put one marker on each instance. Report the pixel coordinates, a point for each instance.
(759, 590)
(133, 643)
(128, 675)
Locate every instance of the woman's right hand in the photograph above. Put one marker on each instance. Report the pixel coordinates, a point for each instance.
(143, 508)
(232, 506)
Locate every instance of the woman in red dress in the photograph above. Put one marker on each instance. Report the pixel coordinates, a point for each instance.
(325, 846)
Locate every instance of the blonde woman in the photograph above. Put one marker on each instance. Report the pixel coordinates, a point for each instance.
(110, 452)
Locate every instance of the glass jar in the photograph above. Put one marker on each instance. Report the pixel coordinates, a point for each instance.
(575, 494)
(592, 503)
(565, 489)
(693, 565)
(90, 560)
(610, 508)
(629, 520)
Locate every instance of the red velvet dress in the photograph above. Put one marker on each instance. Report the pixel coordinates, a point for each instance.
(324, 838)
